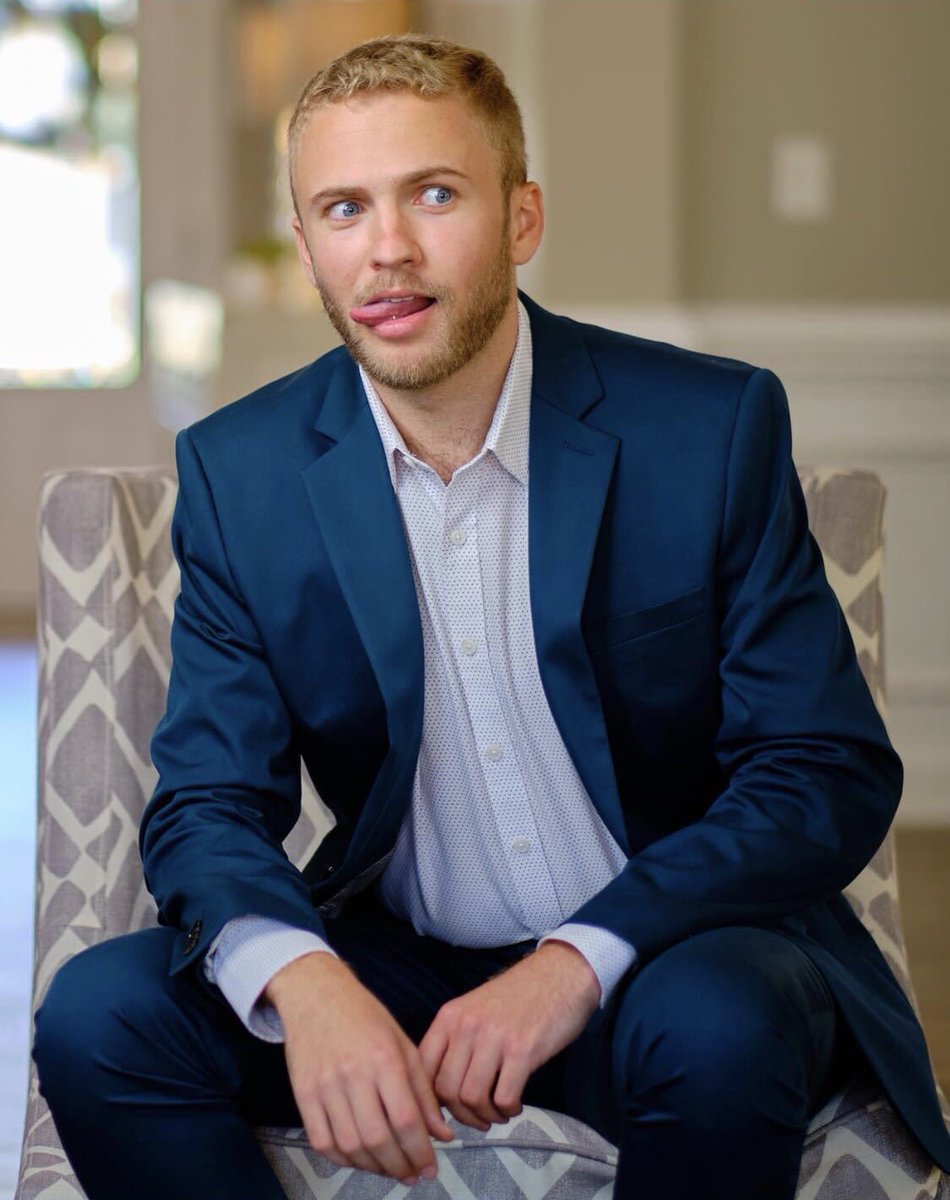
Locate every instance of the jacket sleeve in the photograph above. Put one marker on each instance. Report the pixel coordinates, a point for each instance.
(812, 782)
(228, 787)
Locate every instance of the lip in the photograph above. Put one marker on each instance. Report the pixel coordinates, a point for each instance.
(393, 312)
(402, 327)
(394, 294)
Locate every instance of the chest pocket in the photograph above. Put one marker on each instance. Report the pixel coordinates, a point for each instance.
(657, 674)
(646, 622)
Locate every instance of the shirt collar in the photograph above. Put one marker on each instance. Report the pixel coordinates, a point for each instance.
(507, 436)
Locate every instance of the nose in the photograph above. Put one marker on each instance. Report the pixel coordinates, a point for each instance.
(394, 241)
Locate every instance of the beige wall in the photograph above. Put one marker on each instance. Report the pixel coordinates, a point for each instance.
(870, 77)
(610, 112)
(653, 125)
(597, 82)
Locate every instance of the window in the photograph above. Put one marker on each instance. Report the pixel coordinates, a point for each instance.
(69, 193)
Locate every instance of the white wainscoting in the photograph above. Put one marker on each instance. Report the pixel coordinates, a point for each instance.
(868, 387)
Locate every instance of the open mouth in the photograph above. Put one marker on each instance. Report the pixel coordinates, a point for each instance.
(384, 309)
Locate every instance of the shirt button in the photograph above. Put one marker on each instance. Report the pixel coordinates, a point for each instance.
(521, 845)
(458, 537)
(493, 751)
(468, 646)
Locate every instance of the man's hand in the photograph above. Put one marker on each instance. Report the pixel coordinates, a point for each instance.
(358, 1080)
(481, 1048)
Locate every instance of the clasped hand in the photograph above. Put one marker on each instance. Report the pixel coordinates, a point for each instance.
(369, 1098)
(482, 1046)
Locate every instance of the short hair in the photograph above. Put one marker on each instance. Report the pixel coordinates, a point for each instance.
(429, 67)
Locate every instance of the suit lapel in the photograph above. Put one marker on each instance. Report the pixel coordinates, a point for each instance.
(358, 515)
(570, 468)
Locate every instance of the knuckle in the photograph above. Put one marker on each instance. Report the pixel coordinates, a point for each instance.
(448, 1012)
(323, 1083)
(376, 1142)
(350, 1146)
(404, 1121)
(349, 1069)
(379, 1060)
(519, 1051)
(308, 1096)
(469, 1022)
(323, 1145)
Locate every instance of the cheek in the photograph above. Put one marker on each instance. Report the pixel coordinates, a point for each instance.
(465, 253)
(336, 261)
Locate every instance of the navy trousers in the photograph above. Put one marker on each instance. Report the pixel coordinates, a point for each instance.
(703, 1070)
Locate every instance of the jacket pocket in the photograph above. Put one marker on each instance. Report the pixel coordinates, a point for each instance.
(626, 627)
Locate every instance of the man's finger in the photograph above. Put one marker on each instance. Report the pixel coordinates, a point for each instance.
(448, 1083)
(478, 1083)
(432, 1048)
(320, 1135)
(512, 1080)
(408, 1124)
(379, 1139)
(347, 1137)
(426, 1097)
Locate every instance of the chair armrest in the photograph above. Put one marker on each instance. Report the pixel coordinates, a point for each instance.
(106, 589)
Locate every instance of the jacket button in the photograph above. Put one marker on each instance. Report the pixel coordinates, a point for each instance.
(327, 871)
(192, 939)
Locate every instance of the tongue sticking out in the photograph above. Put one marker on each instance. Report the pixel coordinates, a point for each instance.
(389, 310)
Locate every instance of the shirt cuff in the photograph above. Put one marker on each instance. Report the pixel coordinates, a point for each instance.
(609, 955)
(245, 957)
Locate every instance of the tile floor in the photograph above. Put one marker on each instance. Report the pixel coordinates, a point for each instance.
(17, 843)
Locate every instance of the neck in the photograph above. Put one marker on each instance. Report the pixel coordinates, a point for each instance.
(445, 426)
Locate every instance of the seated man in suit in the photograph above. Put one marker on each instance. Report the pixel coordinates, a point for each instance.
(537, 605)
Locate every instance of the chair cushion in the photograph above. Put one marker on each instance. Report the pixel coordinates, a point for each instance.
(857, 1148)
(539, 1154)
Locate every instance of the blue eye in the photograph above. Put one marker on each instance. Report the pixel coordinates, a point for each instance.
(343, 209)
(438, 195)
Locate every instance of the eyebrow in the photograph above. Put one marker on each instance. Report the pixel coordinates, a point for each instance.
(341, 191)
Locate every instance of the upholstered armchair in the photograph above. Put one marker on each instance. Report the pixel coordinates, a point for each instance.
(107, 588)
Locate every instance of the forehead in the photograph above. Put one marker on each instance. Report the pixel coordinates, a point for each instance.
(387, 134)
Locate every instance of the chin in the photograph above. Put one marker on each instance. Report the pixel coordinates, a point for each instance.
(401, 368)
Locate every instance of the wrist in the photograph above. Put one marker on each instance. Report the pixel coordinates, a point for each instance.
(573, 963)
(298, 976)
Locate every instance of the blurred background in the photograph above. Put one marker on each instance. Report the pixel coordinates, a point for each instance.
(767, 179)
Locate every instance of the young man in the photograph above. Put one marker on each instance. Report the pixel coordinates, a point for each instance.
(538, 607)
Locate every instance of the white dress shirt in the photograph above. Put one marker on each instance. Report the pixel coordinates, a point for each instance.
(500, 842)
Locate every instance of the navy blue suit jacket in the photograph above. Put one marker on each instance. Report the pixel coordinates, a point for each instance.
(695, 660)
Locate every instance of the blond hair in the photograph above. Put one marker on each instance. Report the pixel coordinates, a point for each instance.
(429, 67)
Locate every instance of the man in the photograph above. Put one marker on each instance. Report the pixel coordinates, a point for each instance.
(537, 605)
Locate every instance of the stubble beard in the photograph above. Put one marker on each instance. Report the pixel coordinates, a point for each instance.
(471, 323)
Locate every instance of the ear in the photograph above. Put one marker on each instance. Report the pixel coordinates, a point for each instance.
(303, 250)
(527, 221)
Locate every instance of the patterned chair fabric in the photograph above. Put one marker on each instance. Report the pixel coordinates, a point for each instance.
(108, 582)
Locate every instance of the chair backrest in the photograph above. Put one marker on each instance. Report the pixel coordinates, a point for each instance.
(108, 583)
(846, 517)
